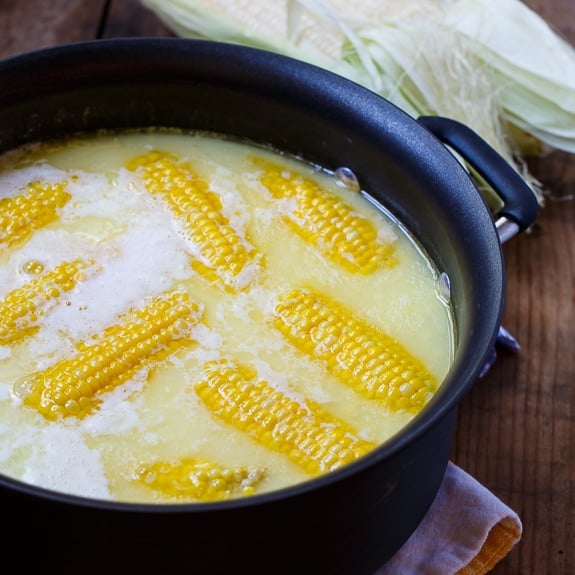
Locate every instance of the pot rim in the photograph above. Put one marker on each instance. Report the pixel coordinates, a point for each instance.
(461, 375)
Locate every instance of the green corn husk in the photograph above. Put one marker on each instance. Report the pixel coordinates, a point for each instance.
(493, 64)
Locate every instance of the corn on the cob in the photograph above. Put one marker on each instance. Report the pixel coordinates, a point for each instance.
(287, 28)
(328, 222)
(221, 251)
(144, 337)
(199, 480)
(23, 214)
(304, 432)
(371, 362)
(22, 309)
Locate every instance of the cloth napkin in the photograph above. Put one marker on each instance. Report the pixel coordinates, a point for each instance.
(466, 531)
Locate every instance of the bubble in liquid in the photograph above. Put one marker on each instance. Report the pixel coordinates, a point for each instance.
(24, 386)
(345, 178)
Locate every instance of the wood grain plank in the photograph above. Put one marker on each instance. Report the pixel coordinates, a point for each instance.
(516, 429)
(542, 313)
(33, 24)
(559, 14)
(126, 18)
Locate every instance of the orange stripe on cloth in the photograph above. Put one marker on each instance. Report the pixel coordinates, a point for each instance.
(466, 531)
(501, 539)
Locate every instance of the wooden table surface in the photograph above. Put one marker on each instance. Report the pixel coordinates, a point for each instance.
(516, 428)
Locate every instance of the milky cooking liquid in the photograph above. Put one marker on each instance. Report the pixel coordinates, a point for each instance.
(139, 250)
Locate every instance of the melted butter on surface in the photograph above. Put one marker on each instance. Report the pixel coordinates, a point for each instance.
(141, 251)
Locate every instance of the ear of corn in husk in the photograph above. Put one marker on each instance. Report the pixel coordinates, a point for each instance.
(495, 65)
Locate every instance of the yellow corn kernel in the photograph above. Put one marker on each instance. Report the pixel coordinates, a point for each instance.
(32, 267)
(22, 309)
(304, 432)
(143, 338)
(326, 221)
(371, 362)
(21, 215)
(200, 480)
(220, 249)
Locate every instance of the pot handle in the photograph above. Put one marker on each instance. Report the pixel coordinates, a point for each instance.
(520, 206)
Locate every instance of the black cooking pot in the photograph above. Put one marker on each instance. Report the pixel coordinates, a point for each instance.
(349, 522)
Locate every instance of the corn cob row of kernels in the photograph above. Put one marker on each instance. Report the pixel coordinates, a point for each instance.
(200, 480)
(221, 251)
(371, 362)
(328, 222)
(23, 308)
(23, 214)
(302, 431)
(148, 335)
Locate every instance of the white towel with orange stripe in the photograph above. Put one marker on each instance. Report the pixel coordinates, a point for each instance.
(467, 531)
